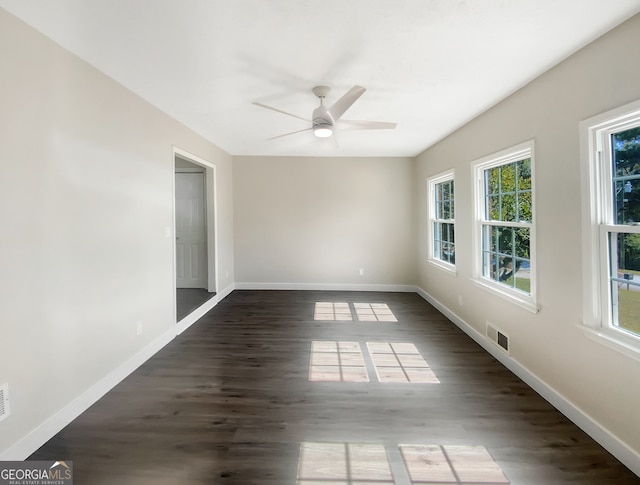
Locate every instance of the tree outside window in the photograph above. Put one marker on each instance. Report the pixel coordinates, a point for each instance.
(506, 248)
(442, 245)
(505, 224)
(624, 245)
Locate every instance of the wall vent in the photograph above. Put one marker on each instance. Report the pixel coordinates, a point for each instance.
(497, 337)
(4, 401)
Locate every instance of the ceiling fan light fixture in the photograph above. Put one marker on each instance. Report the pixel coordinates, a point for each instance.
(323, 119)
(322, 130)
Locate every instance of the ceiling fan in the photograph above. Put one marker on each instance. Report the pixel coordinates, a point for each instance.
(325, 120)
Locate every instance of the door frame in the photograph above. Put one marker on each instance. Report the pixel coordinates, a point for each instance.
(211, 206)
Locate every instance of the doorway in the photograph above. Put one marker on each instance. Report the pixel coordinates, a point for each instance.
(194, 244)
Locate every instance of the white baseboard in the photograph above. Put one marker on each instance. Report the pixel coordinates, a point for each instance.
(199, 312)
(49, 428)
(325, 287)
(614, 445)
(31, 442)
(45, 431)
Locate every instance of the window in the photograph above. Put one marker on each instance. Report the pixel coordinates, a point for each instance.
(504, 233)
(611, 224)
(442, 247)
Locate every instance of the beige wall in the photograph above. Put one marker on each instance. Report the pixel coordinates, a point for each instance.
(85, 196)
(319, 220)
(603, 383)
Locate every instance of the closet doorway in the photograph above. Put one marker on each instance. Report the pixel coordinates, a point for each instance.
(194, 234)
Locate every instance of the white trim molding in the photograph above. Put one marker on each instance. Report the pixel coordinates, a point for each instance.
(479, 166)
(54, 424)
(325, 287)
(199, 312)
(211, 210)
(31, 442)
(614, 445)
(598, 223)
(432, 182)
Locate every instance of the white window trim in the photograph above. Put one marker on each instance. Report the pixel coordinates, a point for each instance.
(508, 155)
(596, 206)
(431, 184)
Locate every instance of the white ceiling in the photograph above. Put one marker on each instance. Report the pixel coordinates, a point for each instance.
(429, 65)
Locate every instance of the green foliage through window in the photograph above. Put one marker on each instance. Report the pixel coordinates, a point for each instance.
(626, 175)
(508, 192)
(507, 248)
(443, 227)
(625, 267)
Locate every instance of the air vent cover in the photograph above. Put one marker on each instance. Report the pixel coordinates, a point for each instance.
(4, 401)
(498, 337)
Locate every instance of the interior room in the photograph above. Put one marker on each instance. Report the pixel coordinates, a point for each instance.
(223, 153)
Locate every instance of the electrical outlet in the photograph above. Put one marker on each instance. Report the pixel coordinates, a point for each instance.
(460, 300)
(361, 271)
(139, 327)
(4, 401)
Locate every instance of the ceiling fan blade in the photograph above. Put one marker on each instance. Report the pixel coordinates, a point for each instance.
(365, 125)
(334, 141)
(287, 134)
(345, 102)
(280, 111)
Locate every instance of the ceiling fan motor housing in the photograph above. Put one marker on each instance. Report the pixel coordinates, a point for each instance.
(322, 122)
(324, 119)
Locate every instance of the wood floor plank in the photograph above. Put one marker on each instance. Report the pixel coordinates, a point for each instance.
(230, 402)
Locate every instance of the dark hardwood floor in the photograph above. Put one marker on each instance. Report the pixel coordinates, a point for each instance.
(188, 299)
(230, 401)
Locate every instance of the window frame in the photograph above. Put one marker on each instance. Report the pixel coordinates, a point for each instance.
(507, 156)
(432, 183)
(598, 209)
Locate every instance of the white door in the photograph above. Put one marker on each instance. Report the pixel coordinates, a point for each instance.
(191, 240)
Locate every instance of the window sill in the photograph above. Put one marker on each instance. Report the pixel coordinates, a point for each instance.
(449, 268)
(521, 300)
(626, 346)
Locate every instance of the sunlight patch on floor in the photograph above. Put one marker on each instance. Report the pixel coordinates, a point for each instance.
(342, 312)
(330, 311)
(323, 463)
(374, 312)
(332, 361)
(433, 464)
(343, 464)
(337, 362)
(400, 362)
